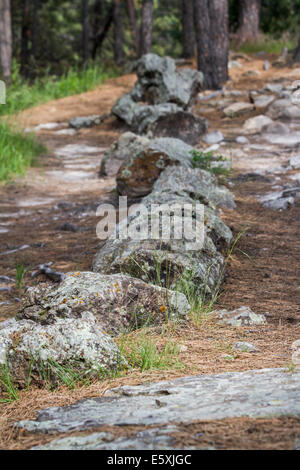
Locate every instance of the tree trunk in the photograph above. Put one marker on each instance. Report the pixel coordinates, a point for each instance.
(249, 14)
(25, 37)
(296, 56)
(118, 32)
(211, 24)
(5, 39)
(133, 24)
(85, 30)
(146, 28)
(35, 28)
(188, 33)
(100, 33)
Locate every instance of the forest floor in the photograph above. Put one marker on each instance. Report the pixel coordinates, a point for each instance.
(263, 272)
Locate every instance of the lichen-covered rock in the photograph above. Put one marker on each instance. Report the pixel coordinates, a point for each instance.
(141, 169)
(166, 261)
(159, 82)
(191, 184)
(159, 92)
(240, 317)
(127, 145)
(118, 302)
(33, 351)
(147, 117)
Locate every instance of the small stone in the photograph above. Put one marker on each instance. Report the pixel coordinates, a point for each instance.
(85, 121)
(274, 87)
(237, 109)
(240, 317)
(277, 128)
(251, 73)
(266, 65)
(242, 140)
(263, 101)
(245, 347)
(296, 353)
(234, 64)
(295, 162)
(213, 137)
(69, 227)
(256, 124)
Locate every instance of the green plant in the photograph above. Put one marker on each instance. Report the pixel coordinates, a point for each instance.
(210, 162)
(22, 94)
(18, 151)
(142, 352)
(7, 385)
(20, 273)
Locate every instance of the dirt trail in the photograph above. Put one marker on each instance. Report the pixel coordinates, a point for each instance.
(263, 272)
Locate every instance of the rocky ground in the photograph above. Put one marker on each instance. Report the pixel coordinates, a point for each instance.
(49, 217)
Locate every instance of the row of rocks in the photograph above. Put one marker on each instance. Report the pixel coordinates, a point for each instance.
(72, 325)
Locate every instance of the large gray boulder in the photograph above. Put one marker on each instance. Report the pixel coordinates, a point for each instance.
(191, 185)
(146, 160)
(159, 82)
(182, 125)
(34, 351)
(159, 92)
(166, 260)
(118, 302)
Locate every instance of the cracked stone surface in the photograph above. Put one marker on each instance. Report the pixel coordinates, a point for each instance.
(256, 393)
(151, 439)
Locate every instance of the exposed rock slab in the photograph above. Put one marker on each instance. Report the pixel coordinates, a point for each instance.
(118, 302)
(257, 393)
(150, 439)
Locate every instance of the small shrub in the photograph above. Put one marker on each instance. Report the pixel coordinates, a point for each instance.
(209, 162)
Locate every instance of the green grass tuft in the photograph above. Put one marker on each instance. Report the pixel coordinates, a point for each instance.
(22, 94)
(17, 152)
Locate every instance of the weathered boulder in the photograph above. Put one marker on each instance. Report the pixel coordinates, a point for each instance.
(141, 169)
(128, 144)
(118, 302)
(159, 82)
(181, 125)
(159, 92)
(191, 185)
(145, 119)
(33, 351)
(166, 260)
